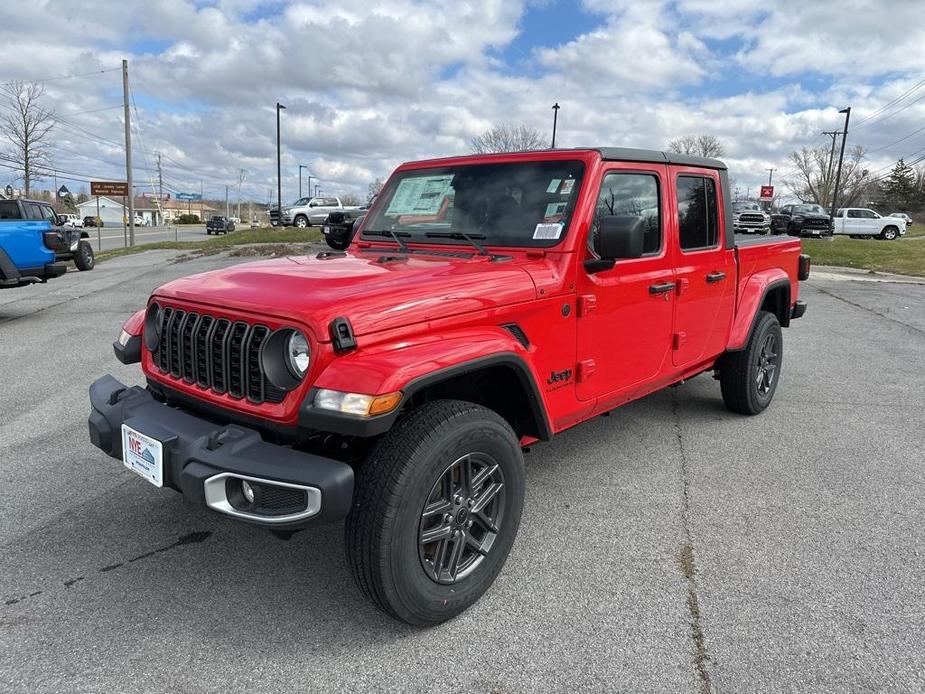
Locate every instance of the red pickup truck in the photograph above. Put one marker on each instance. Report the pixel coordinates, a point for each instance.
(487, 302)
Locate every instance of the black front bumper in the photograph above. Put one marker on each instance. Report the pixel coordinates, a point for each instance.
(204, 460)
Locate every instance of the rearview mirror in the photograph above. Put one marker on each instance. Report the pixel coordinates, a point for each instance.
(618, 238)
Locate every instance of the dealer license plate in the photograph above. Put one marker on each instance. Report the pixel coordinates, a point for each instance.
(326, 230)
(143, 455)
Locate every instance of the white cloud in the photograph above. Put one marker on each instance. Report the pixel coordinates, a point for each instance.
(371, 83)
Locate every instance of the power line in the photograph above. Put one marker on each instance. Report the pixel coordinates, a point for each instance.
(79, 74)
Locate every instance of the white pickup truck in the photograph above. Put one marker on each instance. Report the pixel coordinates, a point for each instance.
(307, 212)
(858, 222)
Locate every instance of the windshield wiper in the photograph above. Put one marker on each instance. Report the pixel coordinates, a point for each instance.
(395, 235)
(461, 235)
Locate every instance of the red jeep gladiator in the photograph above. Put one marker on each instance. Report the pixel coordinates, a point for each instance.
(486, 302)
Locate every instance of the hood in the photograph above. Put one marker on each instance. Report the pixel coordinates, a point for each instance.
(372, 290)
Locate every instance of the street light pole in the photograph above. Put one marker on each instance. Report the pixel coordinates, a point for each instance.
(300, 179)
(279, 170)
(555, 118)
(841, 156)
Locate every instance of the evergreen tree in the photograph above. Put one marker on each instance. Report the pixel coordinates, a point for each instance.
(898, 192)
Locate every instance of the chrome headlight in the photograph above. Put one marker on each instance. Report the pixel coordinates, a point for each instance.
(297, 354)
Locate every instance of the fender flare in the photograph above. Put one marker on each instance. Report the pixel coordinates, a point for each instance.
(474, 351)
(752, 296)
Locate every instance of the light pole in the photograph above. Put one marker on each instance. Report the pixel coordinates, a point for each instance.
(302, 166)
(847, 112)
(316, 190)
(279, 170)
(555, 118)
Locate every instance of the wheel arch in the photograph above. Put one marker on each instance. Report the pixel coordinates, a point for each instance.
(761, 293)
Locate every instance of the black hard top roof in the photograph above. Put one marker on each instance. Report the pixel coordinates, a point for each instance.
(652, 155)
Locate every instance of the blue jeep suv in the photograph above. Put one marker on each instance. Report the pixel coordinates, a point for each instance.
(30, 239)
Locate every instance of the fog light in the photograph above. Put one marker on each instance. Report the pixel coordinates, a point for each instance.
(248, 491)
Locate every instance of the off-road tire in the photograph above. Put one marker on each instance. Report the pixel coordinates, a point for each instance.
(338, 243)
(889, 234)
(382, 533)
(301, 222)
(739, 371)
(83, 257)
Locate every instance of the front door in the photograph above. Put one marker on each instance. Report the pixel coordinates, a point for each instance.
(625, 313)
(706, 270)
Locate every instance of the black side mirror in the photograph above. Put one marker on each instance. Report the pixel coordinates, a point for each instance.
(61, 219)
(618, 238)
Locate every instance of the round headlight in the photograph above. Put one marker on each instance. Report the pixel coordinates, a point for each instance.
(153, 324)
(297, 354)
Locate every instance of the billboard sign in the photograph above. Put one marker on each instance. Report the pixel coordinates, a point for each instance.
(115, 188)
(767, 193)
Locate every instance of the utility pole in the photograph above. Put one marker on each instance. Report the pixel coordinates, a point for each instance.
(226, 202)
(301, 166)
(828, 169)
(128, 156)
(316, 190)
(841, 156)
(770, 173)
(160, 178)
(555, 118)
(242, 174)
(279, 169)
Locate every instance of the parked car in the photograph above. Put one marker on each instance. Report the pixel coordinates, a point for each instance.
(803, 219)
(73, 220)
(861, 222)
(749, 218)
(31, 234)
(903, 216)
(488, 302)
(307, 212)
(91, 221)
(219, 225)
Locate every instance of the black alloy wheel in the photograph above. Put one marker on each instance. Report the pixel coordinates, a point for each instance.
(461, 518)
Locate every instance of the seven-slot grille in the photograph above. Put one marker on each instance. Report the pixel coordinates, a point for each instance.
(215, 353)
(751, 218)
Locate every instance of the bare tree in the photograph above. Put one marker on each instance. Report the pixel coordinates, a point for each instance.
(505, 137)
(698, 145)
(27, 128)
(350, 199)
(813, 179)
(375, 187)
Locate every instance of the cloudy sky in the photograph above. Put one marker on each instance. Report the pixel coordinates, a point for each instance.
(369, 84)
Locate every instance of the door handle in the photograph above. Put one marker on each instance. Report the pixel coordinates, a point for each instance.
(661, 288)
(716, 277)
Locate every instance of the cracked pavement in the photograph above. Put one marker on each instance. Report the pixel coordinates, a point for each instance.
(798, 534)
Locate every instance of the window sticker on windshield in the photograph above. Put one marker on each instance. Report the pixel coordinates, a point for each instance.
(567, 186)
(553, 185)
(547, 231)
(419, 195)
(554, 210)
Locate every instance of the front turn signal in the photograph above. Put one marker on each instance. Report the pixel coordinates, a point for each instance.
(384, 403)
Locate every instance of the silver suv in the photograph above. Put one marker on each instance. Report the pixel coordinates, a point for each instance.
(307, 212)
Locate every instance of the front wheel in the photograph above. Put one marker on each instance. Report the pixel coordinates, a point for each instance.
(436, 508)
(83, 258)
(748, 378)
(301, 222)
(889, 234)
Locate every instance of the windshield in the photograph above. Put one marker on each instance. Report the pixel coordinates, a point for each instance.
(808, 209)
(740, 206)
(527, 204)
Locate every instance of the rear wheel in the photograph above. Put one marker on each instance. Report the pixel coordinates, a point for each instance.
(436, 509)
(889, 234)
(83, 258)
(748, 378)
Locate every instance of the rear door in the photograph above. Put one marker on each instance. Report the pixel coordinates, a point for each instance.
(705, 265)
(625, 313)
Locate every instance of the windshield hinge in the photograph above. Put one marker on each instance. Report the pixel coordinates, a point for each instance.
(342, 336)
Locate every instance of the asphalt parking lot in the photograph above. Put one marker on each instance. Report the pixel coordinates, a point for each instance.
(110, 237)
(671, 547)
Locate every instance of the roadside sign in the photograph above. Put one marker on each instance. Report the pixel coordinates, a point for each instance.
(162, 196)
(115, 188)
(767, 193)
(194, 197)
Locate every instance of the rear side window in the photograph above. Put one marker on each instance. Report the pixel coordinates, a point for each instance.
(855, 214)
(9, 209)
(697, 213)
(633, 195)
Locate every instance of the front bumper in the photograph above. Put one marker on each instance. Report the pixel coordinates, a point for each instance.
(206, 461)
